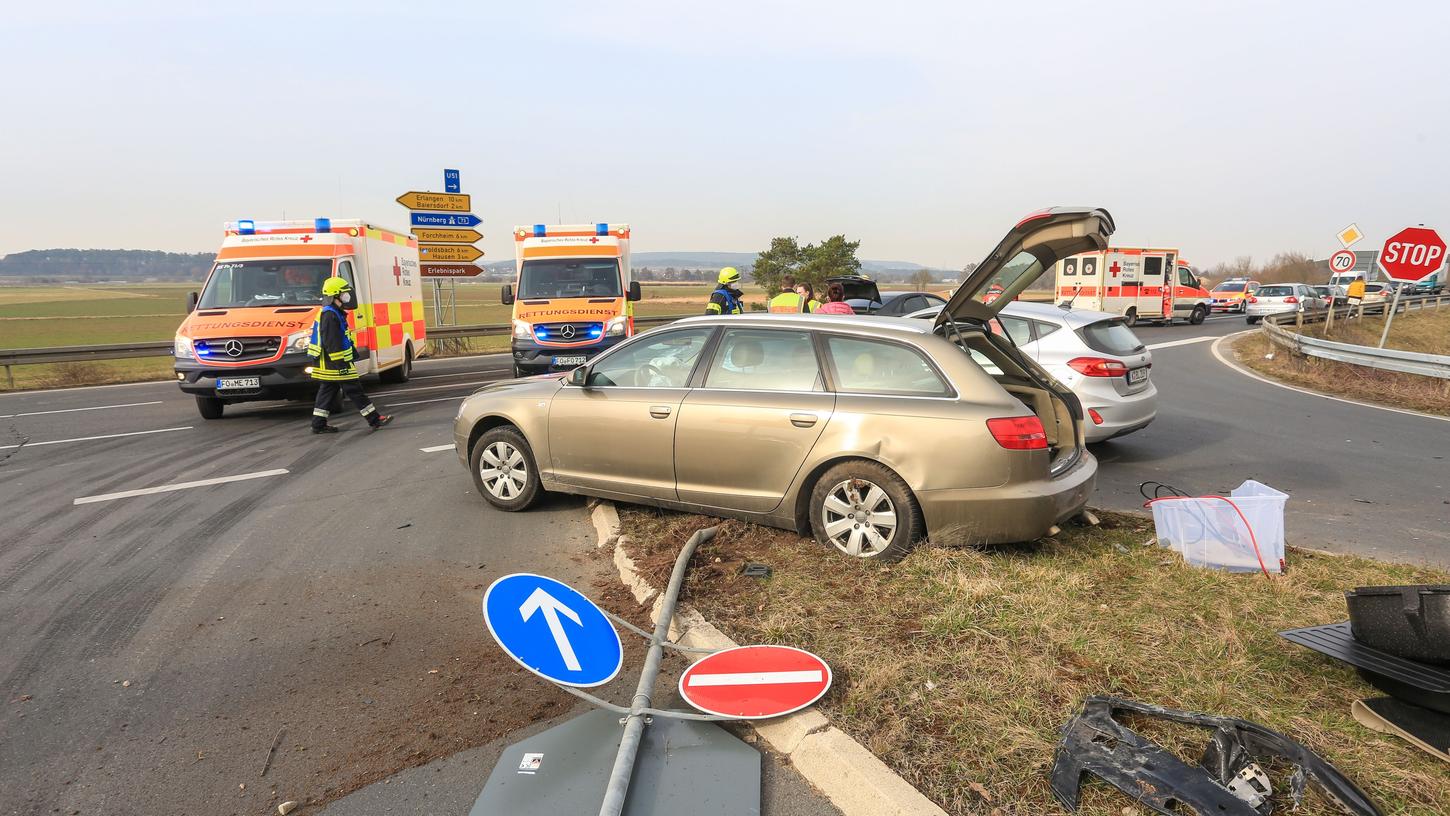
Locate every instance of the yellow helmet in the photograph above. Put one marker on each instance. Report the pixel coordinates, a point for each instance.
(332, 287)
(729, 275)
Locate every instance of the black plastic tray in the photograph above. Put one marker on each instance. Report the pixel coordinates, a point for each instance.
(1409, 680)
(1409, 621)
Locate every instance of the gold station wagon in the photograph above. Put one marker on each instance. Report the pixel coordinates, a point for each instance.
(872, 434)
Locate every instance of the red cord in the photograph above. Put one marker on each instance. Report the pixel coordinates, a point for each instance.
(1253, 539)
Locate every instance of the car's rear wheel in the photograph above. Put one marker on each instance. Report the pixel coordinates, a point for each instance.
(864, 510)
(1251, 320)
(1131, 318)
(503, 469)
(1199, 313)
(209, 407)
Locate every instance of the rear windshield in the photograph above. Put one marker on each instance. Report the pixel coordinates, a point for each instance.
(1229, 287)
(1110, 337)
(1275, 291)
(562, 278)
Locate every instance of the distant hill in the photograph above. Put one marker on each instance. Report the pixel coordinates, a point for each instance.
(51, 265)
(714, 260)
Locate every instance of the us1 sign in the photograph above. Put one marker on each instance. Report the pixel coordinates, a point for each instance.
(1341, 261)
(1412, 254)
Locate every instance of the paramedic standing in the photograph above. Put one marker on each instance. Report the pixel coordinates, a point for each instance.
(332, 349)
(726, 297)
(789, 301)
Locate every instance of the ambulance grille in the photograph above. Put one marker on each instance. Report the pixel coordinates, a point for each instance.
(237, 349)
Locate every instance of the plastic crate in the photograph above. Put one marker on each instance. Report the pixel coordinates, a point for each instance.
(1210, 532)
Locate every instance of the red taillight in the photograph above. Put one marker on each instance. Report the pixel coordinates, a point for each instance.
(1018, 433)
(1291, 299)
(1253, 299)
(1097, 367)
(1097, 417)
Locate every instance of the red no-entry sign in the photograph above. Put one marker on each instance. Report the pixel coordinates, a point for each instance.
(1412, 254)
(755, 682)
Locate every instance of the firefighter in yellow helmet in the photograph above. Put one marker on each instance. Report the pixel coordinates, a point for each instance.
(726, 297)
(333, 351)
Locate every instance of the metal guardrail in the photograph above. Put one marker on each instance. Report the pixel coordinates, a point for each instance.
(1407, 362)
(163, 348)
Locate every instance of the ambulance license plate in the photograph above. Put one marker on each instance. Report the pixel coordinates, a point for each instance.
(575, 360)
(237, 383)
(1137, 375)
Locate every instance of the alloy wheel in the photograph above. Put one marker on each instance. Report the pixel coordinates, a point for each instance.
(503, 470)
(860, 519)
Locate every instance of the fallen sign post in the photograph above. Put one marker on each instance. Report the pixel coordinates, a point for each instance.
(1409, 256)
(632, 760)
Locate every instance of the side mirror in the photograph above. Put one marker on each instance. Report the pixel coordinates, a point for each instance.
(634, 293)
(191, 299)
(579, 376)
(507, 295)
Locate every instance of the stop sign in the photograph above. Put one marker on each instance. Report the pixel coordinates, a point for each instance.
(1412, 254)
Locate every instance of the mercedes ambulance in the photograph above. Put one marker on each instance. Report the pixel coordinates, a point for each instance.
(1140, 283)
(573, 294)
(245, 337)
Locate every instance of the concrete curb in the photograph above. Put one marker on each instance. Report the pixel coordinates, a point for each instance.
(854, 779)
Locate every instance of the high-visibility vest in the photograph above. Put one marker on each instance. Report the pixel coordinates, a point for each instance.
(333, 365)
(787, 303)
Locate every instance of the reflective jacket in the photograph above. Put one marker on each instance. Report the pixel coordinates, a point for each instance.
(332, 346)
(724, 301)
(787, 303)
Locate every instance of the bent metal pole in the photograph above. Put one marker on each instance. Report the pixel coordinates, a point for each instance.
(618, 789)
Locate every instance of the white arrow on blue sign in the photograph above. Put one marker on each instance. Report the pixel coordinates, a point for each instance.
(552, 630)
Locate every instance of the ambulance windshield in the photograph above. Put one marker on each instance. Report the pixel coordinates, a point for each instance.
(545, 279)
(238, 284)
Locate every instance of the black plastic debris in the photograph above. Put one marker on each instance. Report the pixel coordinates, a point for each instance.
(1425, 729)
(753, 569)
(1405, 621)
(1412, 681)
(1228, 780)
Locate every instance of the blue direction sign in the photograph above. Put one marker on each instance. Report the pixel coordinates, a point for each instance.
(451, 182)
(433, 219)
(552, 630)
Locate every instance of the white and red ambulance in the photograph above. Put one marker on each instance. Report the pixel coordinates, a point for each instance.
(1140, 283)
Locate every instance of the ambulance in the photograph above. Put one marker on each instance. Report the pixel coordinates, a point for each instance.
(573, 294)
(1140, 283)
(245, 337)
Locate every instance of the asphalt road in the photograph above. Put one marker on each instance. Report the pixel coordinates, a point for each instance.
(144, 633)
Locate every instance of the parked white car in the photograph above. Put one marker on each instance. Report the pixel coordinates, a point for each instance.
(1093, 353)
(1281, 298)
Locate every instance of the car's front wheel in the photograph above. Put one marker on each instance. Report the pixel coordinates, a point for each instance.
(503, 469)
(1199, 313)
(865, 510)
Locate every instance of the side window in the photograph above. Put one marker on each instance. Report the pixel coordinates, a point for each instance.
(1044, 329)
(1069, 266)
(765, 360)
(913, 303)
(344, 271)
(661, 361)
(878, 367)
(1185, 277)
(1152, 267)
(933, 300)
(1018, 329)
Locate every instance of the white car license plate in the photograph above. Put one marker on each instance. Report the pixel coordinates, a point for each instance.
(576, 360)
(235, 383)
(1137, 375)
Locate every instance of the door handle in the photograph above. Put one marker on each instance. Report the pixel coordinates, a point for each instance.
(659, 411)
(803, 420)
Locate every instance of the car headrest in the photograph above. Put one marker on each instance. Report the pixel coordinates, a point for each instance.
(747, 353)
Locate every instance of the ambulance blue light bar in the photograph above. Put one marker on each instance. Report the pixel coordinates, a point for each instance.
(322, 224)
(246, 227)
(601, 229)
(539, 231)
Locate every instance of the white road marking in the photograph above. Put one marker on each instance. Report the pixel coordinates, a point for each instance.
(458, 374)
(1172, 343)
(432, 388)
(756, 678)
(437, 448)
(83, 388)
(1222, 358)
(422, 402)
(93, 438)
(68, 410)
(146, 491)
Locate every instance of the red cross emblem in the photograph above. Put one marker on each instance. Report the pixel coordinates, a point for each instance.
(306, 238)
(594, 239)
(1115, 269)
(397, 272)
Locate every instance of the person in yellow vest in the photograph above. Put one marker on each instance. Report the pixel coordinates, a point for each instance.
(332, 348)
(789, 301)
(808, 292)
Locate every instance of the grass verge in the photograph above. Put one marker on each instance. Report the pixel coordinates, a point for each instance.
(1390, 388)
(958, 667)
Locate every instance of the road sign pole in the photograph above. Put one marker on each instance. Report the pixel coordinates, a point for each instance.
(1391, 318)
(618, 788)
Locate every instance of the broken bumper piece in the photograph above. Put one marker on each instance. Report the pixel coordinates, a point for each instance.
(1227, 781)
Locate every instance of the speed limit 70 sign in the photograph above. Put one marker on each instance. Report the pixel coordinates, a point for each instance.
(1342, 261)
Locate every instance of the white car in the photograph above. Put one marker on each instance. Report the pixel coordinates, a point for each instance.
(1093, 353)
(1281, 298)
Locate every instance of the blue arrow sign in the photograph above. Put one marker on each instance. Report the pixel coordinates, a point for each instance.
(432, 219)
(452, 182)
(552, 630)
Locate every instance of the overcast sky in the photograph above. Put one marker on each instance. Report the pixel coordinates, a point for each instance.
(922, 129)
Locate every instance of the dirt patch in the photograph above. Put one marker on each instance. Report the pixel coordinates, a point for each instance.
(1411, 391)
(958, 666)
